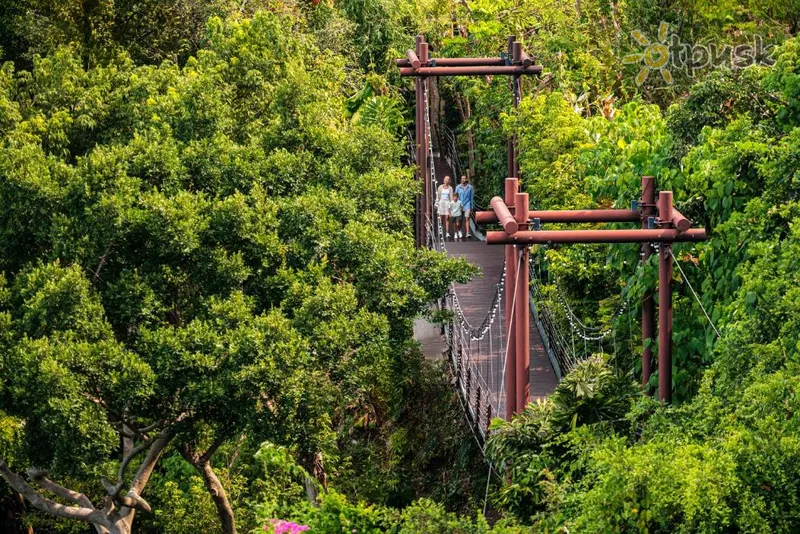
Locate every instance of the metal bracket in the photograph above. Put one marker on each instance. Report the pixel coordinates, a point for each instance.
(537, 223)
(651, 223)
(432, 63)
(505, 58)
(636, 205)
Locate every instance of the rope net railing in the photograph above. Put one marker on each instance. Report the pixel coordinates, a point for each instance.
(476, 352)
(565, 347)
(567, 339)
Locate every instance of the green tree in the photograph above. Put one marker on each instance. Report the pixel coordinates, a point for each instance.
(218, 251)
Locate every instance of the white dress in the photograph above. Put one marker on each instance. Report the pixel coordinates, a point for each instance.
(445, 195)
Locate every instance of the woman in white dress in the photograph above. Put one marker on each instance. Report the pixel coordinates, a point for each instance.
(444, 194)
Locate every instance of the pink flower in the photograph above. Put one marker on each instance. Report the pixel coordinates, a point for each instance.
(279, 526)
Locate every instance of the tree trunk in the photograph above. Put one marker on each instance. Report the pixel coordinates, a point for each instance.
(311, 491)
(465, 112)
(89, 7)
(214, 487)
(220, 498)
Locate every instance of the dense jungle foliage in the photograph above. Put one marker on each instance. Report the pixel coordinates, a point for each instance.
(208, 281)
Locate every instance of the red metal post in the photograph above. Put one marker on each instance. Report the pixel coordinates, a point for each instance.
(516, 54)
(522, 312)
(503, 215)
(510, 166)
(648, 310)
(510, 334)
(664, 323)
(428, 189)
(419, 204)
(665, 207)
(661, 235)
(568, 216)
(665, 305)
(516, 58)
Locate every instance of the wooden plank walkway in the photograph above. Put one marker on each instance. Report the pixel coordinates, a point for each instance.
(476, 298)
(486, 356)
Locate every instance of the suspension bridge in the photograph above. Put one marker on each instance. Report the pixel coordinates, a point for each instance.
(505, 343)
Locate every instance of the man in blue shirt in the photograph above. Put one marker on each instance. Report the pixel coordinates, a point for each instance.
(464, 190)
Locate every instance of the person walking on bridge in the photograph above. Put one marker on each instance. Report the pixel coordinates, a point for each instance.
(464, 190)
(456, 215)
(444, 194)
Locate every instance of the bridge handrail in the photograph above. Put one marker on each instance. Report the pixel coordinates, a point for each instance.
(461, 336)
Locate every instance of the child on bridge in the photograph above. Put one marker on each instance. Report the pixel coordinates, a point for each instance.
(457, 215)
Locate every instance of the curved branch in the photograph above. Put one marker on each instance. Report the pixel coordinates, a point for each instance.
(40, 477)
(124, 466)
(149, 462)
(133, 500)
(206, 456)
(44, 504)
(111, 489)
(150, 428)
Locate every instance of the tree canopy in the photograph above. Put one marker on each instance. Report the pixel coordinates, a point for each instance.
(208, 280)
(197, 252)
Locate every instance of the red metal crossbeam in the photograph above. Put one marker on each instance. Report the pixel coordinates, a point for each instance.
(503, 215)
(525, 60)
(458, 62)
(661, 235)
(516, 70)
(566, 216)
(672, 227)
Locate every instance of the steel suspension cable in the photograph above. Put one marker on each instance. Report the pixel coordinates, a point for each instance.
(697, 298)
(510, 323)
(480, 331)
(465, 329)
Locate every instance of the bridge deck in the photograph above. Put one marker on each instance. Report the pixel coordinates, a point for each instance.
(475, 298)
